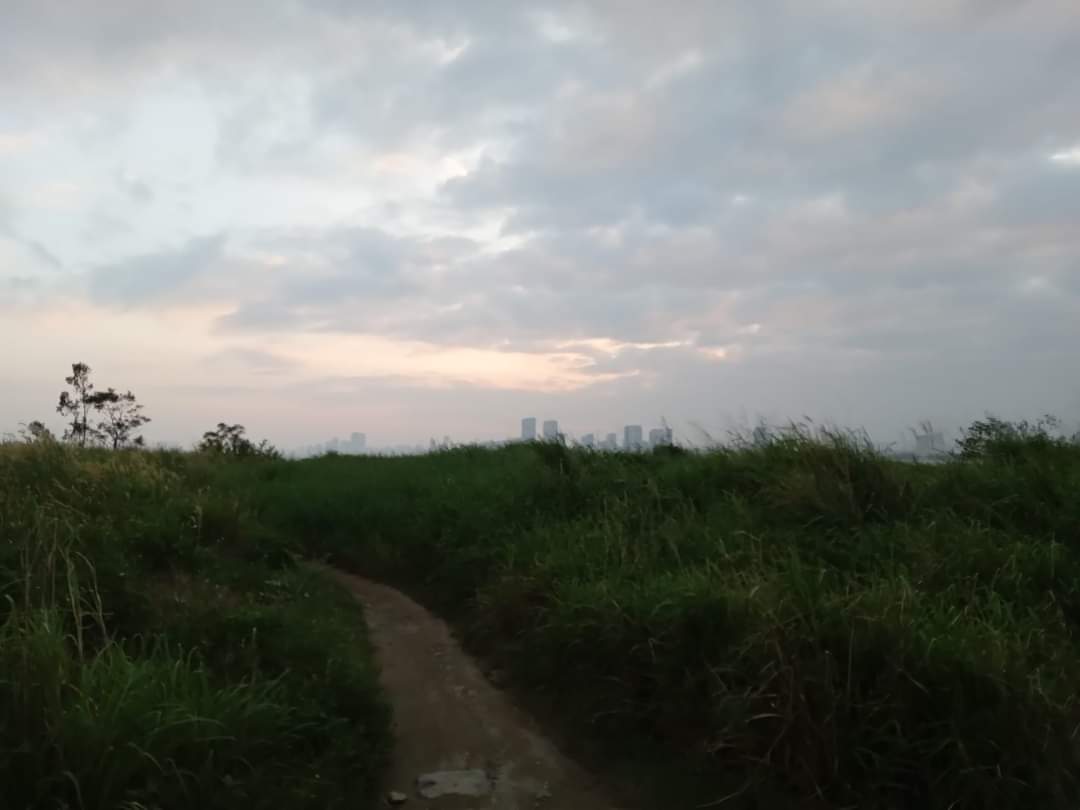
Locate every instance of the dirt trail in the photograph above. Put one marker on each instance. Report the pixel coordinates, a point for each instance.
(460, 742)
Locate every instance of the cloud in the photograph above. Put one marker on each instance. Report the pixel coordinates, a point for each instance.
(1067, 157)
(258, 361)
(135, 188)
(152, 277)
(13, 143)
(826, 206)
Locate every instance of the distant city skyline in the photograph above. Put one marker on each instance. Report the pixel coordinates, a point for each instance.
(924, 442)
(927, 440)
(633, 435)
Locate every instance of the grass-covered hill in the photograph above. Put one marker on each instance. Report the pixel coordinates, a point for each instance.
(803, 623)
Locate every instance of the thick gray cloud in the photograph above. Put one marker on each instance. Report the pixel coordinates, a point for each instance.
(792, 207)
(155, 277)
(819, 104)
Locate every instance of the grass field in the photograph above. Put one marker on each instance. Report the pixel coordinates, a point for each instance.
(156, 652)
(804, 623)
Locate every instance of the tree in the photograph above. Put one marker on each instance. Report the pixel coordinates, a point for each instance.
(76, 405)
(995, 437)
(230, 440)
(122, 417)
(225, 439)
(36, 432)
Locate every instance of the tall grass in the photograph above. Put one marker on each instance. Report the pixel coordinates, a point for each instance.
(114, 695)
(801, 623)
(806, 617)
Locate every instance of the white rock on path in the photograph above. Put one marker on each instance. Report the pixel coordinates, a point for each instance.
(453, 783)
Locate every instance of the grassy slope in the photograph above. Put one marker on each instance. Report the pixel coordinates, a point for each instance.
(158, 651)
(808, 618)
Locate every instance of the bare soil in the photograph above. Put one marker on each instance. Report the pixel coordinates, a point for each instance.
(461, 743)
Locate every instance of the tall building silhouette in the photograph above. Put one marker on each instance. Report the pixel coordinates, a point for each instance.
(632, 437)
(528, 429)
(551, 429)
(659, 437)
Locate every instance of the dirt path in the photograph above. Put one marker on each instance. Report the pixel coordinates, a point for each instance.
(460, 743)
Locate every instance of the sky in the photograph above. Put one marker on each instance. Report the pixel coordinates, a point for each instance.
(433, 218)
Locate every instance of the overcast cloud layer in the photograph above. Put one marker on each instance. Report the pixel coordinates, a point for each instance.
(432, 218)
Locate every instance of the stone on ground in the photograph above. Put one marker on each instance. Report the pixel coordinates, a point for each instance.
(473, 782)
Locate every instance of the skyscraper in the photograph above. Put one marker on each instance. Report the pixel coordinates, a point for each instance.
(528, 429)
(551, 430)
(659, 437)
(588, 440)
(611, 442)
(632, 438)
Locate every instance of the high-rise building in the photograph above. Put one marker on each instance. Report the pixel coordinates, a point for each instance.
(358, 443)
(588, 440)
(611, 442)
(551, 429)
(659, 437)
(632, 438)
(528, 429)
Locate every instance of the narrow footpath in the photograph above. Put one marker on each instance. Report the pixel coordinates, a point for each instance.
(461, 744)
